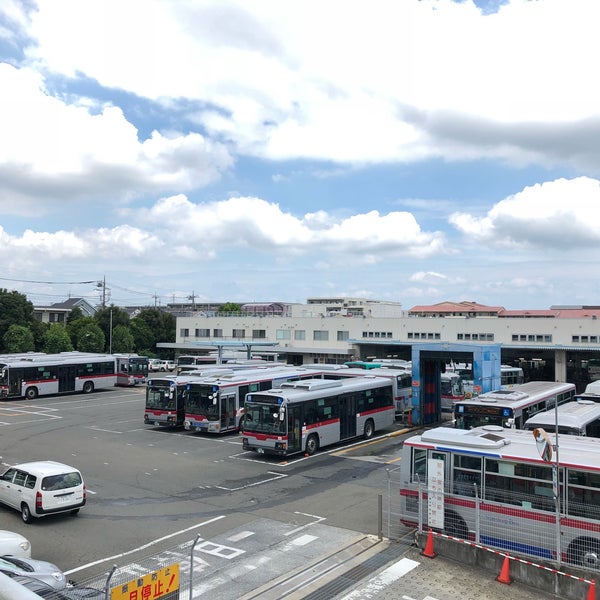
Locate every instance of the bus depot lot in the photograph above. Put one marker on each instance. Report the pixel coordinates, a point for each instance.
(152, 491)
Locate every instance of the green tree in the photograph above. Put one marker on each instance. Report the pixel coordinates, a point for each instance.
(57, 339)
(15, 309)
(19, 339)
(122, 340)
(90, 338)
(161, 324)
(142, 336)
(111, 316)
(75, 314)
(230, 307)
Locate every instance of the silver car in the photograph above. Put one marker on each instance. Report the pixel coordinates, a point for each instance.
(41, 570)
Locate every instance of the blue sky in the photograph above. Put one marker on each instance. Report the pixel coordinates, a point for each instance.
(414, 151)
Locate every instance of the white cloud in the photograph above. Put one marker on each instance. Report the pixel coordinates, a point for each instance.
(404, 81)
(252, 222)
(561, 214)
(53, 151)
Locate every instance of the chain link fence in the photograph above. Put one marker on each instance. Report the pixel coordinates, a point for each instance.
(536, 526)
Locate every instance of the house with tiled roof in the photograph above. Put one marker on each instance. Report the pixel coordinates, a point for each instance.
(59, 311)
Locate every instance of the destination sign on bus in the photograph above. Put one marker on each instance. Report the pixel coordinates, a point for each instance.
(476, 409)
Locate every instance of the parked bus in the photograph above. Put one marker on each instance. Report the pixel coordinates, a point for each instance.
(581, 417)
(363, 364)
(44, 374)
(511, 408)
(400, 378)
(304, 416)
(491, 485)
(213, 404)
(510, 376)
(452, 390)
(184, 362)
(132, 369)
(165, 400)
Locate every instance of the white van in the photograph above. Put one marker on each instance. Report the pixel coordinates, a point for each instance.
(42, 488)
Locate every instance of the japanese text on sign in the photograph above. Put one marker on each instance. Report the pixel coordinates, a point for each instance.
(149, 587)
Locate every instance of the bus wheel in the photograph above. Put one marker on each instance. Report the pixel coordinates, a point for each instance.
(585, 551)
(26, 513)
(31, 393)
(369, 429)
(455, 526)
(312, 444)
(88, 387)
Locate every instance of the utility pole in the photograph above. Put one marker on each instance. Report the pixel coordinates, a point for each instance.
(193, 299)
(102, 284)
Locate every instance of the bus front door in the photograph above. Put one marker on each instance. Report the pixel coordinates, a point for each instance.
(294, 428)
(227, 412)
(347, 417)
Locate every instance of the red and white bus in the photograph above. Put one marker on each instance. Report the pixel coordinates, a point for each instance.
(512, 407)
(43, 374)
(132, 369)
(214, 404)
(491, 485)
(304, 416)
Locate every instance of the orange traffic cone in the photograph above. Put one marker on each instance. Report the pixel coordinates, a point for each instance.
(428, 551)
(504, 577)
(591, 595)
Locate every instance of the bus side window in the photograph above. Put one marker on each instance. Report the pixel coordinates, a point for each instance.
(419, 466)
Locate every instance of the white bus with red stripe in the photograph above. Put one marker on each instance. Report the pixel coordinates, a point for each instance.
(214, 404)
(306, 415)
(498, 491)
(43, 374)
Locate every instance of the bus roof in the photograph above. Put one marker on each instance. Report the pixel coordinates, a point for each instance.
(571, 414)
(247, 375)
(307, 389)
(512, 444)
(519, 395)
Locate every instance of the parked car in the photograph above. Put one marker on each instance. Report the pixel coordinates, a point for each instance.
(42, 488)
(44, 590)
(155, 364)
(171, 365)
(37, 569)
(14, 544)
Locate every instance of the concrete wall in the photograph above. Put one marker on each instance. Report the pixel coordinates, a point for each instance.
(550, 579)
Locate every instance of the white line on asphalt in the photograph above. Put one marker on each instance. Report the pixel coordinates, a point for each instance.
(382, 580)
(243, 487)
(148, 545)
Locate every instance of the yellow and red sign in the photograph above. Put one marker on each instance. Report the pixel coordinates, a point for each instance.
(152, 586)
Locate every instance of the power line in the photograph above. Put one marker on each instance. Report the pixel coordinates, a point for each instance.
(48, 282)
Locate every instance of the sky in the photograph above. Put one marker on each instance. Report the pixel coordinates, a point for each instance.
(413, 151)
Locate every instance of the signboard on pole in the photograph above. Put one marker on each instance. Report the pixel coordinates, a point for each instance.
(435, 493)
(163, 584)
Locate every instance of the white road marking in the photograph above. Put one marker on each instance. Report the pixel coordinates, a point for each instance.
(382, 580)
(148, 545)
(240, 536)
(243, 487)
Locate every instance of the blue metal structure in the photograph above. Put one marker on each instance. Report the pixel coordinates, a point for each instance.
(428, 361)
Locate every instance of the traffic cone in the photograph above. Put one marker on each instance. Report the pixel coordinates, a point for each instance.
(428, 551)
(591, 595)
(504, 577)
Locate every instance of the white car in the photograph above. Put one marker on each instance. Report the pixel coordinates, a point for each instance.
(42, 488)
(14, 544)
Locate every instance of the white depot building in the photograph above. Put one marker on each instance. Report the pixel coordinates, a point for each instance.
(562, 341)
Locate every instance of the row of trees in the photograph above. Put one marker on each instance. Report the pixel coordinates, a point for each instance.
(109, 330)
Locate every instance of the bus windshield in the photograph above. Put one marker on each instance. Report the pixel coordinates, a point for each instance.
(202, 400)
(263, 418)
(160, 398)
